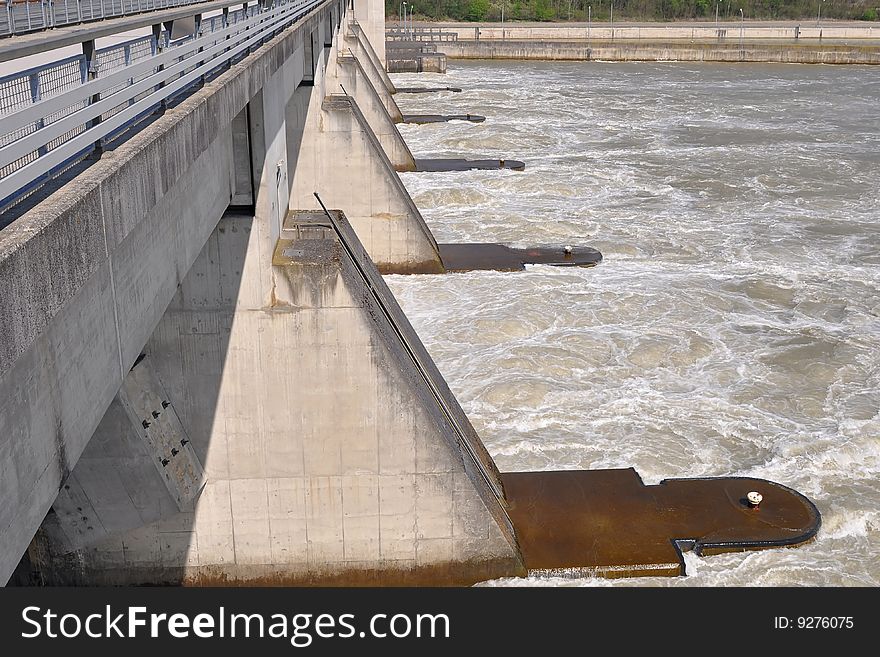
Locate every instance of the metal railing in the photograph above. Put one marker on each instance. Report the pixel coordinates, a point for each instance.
(420, 34)
(22, 16)
(54, 115)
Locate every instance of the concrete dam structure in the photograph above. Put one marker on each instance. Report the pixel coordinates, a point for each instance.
(205, 379)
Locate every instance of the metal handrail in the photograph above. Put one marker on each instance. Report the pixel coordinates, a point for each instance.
(149, 82)
(23, 16)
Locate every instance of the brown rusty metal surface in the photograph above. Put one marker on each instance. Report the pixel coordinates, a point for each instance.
(424, 90)
(498, 257)
(442, 118)
(607, 522)
(460, 164)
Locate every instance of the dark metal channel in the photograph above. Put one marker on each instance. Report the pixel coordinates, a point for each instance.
(425, 90)
(460, 164)
(442, 118)
(498, 257)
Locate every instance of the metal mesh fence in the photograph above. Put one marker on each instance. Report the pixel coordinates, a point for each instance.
(28, 87)
(21, 16)
(20, 90)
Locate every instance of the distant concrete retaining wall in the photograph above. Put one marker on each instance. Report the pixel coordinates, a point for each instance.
(662, 32)
(644, 51)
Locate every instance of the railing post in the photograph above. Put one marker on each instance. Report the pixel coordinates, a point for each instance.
(197, 22)
(88, 48)
(160, 47)
(127, 53)
(225, 25)
(34, 79)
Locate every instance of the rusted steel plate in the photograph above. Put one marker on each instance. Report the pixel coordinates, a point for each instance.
(442, 118)
(460, 164)
(424, 90)
(608, 523)
(498, 257)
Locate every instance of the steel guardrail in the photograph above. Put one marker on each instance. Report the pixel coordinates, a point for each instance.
(24, 16)
(51, 123)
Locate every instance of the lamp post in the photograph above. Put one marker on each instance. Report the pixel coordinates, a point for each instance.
(612, 20)
(405, 29)
(717, 3)
(502, 20)
(589, 25)
(741, 26)
(819, 14)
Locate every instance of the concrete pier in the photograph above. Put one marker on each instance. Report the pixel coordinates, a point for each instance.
(333, 451)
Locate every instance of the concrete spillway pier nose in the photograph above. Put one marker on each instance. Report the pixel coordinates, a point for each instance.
(608, 523)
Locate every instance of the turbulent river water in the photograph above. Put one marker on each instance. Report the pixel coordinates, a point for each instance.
(734, 325)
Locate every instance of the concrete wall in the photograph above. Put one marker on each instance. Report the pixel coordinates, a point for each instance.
(276, 418)
(353, 79)
(88, 273)
(644, 51)
(661, 32)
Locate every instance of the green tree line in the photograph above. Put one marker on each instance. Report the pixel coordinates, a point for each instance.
(632, 10)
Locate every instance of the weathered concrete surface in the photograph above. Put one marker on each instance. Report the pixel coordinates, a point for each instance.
(327, 458)
(409, 60)
(88, 273)
(645, 51)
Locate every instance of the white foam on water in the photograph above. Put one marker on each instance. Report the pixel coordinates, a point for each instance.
(734, 325)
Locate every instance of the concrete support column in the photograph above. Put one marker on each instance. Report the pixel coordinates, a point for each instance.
(370, 14)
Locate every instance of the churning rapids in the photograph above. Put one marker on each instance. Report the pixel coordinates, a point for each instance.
(734, 325)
